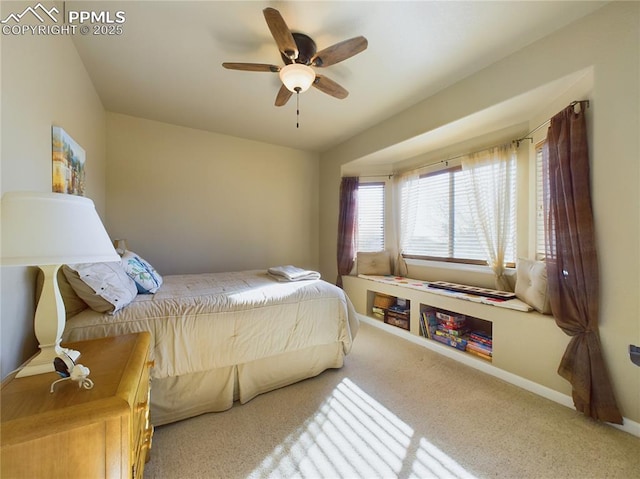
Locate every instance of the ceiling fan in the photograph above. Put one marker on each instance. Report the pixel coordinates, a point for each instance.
(299, 54)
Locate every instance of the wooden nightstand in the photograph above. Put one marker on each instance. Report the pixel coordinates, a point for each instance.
(102, 432)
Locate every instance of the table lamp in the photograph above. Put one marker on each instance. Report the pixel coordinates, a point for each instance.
(48, 230)
(120, 245)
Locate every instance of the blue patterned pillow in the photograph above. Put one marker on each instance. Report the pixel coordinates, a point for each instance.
(147, 279)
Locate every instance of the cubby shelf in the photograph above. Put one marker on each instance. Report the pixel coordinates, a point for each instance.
(396, 311)
(463, 336)
(528, 345)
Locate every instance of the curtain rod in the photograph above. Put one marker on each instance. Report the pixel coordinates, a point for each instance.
(446, 162)
(391, 175)
(517, 142)
(388, 175)
(546, 122)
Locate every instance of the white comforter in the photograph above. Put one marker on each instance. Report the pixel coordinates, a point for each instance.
(201, 322)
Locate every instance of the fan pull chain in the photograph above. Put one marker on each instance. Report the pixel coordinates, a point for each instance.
(297, 107)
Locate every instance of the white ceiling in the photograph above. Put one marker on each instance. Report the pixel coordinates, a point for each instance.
(166, 65)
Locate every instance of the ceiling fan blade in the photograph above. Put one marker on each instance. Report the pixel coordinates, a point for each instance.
(252, 67)
(281, 33)
(339, 52)
(283, 96)
(330, 87)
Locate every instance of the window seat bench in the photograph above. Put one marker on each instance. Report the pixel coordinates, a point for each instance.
(527, 345)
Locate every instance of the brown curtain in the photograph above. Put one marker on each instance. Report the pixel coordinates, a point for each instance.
(347, 226)
(572, 265)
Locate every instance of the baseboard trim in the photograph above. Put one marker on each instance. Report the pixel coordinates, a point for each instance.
(628, 425)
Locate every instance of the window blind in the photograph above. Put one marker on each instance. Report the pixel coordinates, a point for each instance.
(445, 226)
(541, 173)
(370, 217)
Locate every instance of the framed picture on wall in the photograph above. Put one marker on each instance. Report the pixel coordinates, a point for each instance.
(68, 159)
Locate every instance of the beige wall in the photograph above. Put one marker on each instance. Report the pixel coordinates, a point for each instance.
(192, 201)
(607, 42)
(168, 189)
(44, 83)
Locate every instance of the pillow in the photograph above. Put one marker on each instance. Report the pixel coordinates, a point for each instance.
(105, 287)
(377, 263)
(145, 276)
(73, 304)
(531, 284)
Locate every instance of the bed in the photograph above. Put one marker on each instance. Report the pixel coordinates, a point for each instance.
(221, 337)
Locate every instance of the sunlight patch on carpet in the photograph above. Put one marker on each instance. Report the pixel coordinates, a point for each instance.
(432, 462)
(353, 435)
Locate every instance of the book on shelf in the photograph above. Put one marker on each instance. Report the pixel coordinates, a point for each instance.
(402, 303)
(452, 331)
(479, 354)
(401, 312)
(423, 328)
(481, 337)
(449, 342)
(440, 339)
(450, 317)
(429, 321)
(397, 316)
(462, 323)
(451, 337)
(488, 347)
(452, 324)
(482, 334)
(399, 322)
(479, 348)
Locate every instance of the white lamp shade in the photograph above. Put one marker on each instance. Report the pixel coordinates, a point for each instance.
(297, 76)
(52, 229)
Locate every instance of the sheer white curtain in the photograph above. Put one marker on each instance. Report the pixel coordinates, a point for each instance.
(489, 174)
(405, 207)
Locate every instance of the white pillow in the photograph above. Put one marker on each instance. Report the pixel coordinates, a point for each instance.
(147, 279)
(377, 263)
(105, 287)
(531, 284)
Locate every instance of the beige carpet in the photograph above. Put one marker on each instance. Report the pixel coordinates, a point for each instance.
(394, 410)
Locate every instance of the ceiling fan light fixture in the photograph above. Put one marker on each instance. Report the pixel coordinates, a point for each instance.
(297, 77)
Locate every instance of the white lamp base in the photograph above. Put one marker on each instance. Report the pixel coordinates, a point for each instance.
(48, 325)
(43, 362)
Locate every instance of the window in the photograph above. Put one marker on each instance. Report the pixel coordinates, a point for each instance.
(445, 227)
(541, 200)
(370, 217)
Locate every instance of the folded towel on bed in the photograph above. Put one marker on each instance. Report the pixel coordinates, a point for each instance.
(292, 273)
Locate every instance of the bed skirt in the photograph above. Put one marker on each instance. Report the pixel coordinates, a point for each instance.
(181, 397)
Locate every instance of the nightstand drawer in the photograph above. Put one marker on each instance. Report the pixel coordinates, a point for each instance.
(75, 432)
(142, 431)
